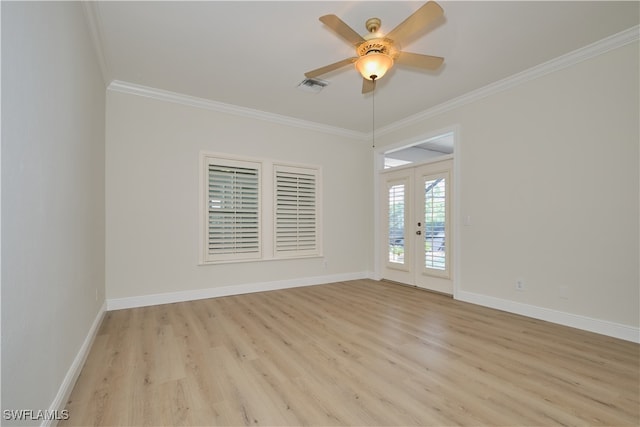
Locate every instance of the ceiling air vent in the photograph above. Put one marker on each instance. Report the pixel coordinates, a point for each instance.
(312, 85)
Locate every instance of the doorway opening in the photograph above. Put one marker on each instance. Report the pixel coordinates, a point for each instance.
(416, 219)
(421, 152)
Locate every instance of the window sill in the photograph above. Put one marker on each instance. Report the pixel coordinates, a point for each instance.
(244, 261)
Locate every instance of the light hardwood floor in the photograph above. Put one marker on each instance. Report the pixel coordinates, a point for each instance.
(352, 353)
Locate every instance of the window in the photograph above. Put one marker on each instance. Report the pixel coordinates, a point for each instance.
(233, 210)
(396, 223)
(296, 211)
(257, 209)
(435, 224)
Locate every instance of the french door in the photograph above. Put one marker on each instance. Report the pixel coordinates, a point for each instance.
(417, 239)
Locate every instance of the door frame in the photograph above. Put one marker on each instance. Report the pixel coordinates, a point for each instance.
(378, 166)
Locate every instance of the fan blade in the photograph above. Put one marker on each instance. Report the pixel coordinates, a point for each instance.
(417, 60)
(368, 85)
(342, 29)
(324, 70)
(419, 19)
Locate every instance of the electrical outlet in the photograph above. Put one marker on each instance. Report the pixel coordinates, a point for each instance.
(519, 285)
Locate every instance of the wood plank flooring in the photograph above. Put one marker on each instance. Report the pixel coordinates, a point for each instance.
(351, 353)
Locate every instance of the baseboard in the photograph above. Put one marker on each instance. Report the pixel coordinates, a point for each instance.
(70, 378)
(223, 291)
(612, 329)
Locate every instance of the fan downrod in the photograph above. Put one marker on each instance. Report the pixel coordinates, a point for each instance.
(373, 24)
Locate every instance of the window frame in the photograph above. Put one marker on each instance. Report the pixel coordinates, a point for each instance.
(266, 209)
(294, 169)
(205, 256)
(445, 176)
(406, 210)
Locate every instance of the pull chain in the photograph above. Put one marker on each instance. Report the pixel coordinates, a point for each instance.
(373, 114)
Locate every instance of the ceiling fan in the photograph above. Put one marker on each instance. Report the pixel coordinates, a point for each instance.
(376, 52)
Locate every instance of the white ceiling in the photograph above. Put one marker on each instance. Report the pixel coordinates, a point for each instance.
(254, 54)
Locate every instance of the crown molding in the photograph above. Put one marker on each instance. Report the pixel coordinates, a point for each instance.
(598, 48)
(207, 104)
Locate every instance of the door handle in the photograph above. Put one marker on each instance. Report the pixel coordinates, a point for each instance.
(418, 232)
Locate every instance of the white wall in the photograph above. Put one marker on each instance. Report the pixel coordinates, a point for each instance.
(549, 177)
(153, 196)
(53, 104)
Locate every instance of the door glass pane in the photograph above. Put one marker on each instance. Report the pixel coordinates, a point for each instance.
(396, 223)
(434, 223)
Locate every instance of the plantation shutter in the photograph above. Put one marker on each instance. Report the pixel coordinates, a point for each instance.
(435, 217)
(233, 210)
(296, 211)
(397, 222)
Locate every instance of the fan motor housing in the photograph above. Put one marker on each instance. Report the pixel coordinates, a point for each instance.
(378, 45)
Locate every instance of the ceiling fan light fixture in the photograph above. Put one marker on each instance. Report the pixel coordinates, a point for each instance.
(374, 65)
(376, 52)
